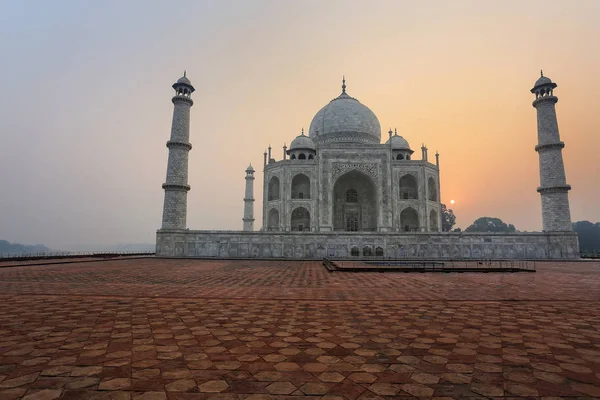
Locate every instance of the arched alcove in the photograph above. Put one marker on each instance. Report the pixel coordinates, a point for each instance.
(273, 220)
(300, 187)
(300, 220)
(273, 193)
(409, 220)
(408, 187)
(433, 221)
(432, 190)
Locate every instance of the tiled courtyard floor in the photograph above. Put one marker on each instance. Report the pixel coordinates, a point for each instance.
(187, 329)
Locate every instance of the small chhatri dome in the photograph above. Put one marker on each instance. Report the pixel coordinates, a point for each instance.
(345, 119)
(302, 142)
(250, 169)
(543, 80)
(398, 142)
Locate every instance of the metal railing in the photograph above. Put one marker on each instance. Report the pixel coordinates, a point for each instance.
(420, 265)
(80, 254)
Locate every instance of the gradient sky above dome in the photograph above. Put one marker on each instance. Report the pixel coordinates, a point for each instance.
(86, 109)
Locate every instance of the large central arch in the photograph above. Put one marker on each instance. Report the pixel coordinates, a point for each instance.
(354, 203)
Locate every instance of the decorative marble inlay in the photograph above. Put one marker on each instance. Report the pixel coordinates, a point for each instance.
(340, 168)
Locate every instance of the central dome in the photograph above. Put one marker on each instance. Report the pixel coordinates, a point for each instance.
(345, 119)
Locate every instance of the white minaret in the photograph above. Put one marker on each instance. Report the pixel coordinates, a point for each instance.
(556, 215)
(176, 185)
(249, 200)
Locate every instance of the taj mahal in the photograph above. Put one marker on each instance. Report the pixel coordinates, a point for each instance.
(339, 192)
(341, 178)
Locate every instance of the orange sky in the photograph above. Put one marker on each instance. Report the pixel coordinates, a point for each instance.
(89, 108)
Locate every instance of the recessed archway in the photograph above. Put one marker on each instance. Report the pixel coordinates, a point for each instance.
(433, 221)
(273, 220)
(273, 189)
(300, 220)
(409, 220)
(432, 190)
(300, 187)
(355, 203)
(408, 188)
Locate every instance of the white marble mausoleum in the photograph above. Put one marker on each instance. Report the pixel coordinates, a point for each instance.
(338, 191)
(341, 178)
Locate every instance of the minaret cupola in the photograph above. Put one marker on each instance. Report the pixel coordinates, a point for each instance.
(183, 87)
(544, 88)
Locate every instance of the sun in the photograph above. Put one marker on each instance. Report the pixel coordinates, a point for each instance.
(451, 201)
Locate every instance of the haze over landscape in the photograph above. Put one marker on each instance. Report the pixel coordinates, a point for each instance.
(86, 109)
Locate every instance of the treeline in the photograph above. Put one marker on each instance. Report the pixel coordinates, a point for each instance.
(589, 236)
(16, 248)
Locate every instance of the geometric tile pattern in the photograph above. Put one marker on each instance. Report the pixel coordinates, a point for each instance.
(187, 329)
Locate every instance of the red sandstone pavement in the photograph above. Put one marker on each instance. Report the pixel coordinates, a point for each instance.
(188, 329)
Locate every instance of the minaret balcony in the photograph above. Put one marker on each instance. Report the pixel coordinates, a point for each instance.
(176, 144)
(547, 146)
(554, 189)
(544, 99)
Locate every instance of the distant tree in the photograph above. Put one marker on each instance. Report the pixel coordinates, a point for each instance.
(589, 236)
(489, 224)
(16, 248)
(457, 230)
(448, 218)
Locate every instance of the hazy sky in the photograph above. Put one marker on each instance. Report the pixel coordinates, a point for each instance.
(86, 109)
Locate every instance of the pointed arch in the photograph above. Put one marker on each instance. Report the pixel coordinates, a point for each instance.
(409, 220)
(300, 187)
(273, 220)
(433, 221)
(274, 189)
(408, 187)
(300, 219)
(432, 189)
(355, 204)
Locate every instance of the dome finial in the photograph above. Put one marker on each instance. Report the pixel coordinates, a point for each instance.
(541, 73)
(395, 132)
(184, 72)
(343, 84)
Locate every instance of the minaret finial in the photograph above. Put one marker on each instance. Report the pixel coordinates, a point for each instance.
(541, 73)
(343, 84)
